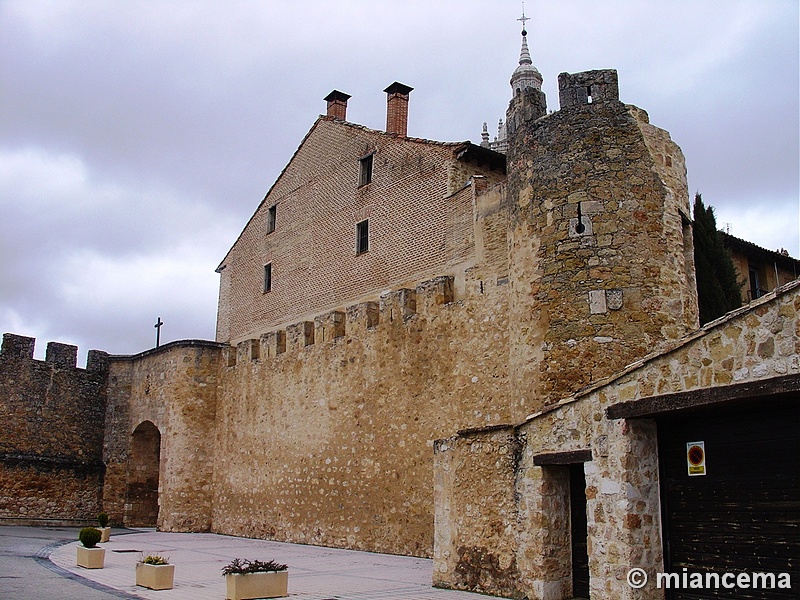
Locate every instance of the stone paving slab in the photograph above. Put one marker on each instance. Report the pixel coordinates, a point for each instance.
(315, 573)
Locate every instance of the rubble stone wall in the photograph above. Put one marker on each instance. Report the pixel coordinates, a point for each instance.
(52, 417)
(175, 388)
(330, 442)
(476, 511)
(599, 241)
(755, 343)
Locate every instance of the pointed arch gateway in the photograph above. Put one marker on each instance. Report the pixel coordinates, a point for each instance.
(141, 496)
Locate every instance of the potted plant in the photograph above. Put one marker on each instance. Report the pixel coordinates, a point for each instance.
(105, 530)
(89, 555)
(155, 572)
(255, 579)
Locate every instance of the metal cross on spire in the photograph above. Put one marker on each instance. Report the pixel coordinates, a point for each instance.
(523, 19)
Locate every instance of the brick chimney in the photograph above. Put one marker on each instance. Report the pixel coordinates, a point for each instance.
(397, 108)
(337, 104)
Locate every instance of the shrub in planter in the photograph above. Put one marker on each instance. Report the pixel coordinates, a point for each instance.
(89, 556)
(246, 579)
(105, 530)
(155, 572)
(89, 536)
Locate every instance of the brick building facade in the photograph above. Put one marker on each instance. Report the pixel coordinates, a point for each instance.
(355, 212)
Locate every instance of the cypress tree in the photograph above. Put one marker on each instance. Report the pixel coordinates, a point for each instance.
(718, 291)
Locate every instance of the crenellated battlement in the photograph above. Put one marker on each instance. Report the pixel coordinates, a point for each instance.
(58, 355)
(394, 307)
(588, 87)
(51, 431)
(17, 346)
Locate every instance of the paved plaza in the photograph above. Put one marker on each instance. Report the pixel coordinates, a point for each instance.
(315, 573)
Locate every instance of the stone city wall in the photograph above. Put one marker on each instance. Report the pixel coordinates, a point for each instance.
(51, 433)
(173, 389)
(325, 430)
(476, 512)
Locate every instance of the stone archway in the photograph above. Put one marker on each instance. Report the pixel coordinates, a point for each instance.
(141, 498)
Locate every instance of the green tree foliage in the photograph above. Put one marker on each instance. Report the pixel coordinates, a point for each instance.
(718, 292)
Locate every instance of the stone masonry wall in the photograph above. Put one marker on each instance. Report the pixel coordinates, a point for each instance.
(476, 511)
(330, 442)
(757, 342)
(600, 259)
(175, 388)
(51, 432)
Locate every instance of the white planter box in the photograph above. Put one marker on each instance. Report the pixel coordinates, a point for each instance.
(270, 584)
(105, 533)
(155, 577)
(91, 558)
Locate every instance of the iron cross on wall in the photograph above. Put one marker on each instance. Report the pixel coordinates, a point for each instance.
(158, 325)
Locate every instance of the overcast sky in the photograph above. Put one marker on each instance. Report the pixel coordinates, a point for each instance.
(137, 138)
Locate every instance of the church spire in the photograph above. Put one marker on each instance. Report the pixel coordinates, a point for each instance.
(525, 75)
(526, 78)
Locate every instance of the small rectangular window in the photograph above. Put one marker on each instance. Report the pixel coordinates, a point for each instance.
(756, 281)
(362, 237)
(365, 172)
(273, 210)
(267, 277)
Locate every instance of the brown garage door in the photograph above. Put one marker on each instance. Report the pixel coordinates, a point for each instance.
(743, 515)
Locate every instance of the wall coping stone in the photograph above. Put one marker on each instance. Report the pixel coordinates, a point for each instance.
(167, 347)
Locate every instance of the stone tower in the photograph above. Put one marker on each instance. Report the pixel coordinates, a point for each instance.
(600, 243)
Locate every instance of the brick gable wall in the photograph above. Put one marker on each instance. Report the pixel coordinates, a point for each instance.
(419, 227)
